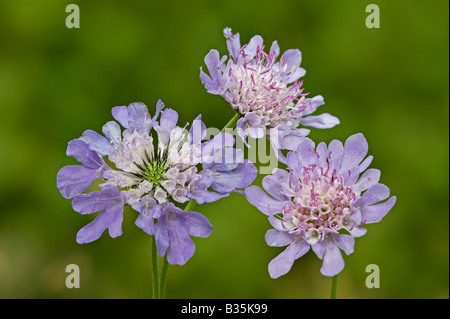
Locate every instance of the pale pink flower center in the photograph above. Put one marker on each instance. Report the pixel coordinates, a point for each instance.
(257, 86)
(321, 203)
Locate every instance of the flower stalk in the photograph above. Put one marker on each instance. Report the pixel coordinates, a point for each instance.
(155, 272)
(162, 290)
(232, 123)
(334, 282)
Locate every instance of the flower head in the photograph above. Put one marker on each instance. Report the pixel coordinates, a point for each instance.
(321, 202)
(151, 171)
(267, 92)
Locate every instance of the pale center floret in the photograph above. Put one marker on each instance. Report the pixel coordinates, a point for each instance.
(257, 86)
(162, 172)
(322, 203)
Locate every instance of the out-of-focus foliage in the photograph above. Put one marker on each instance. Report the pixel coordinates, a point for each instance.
(389, 83)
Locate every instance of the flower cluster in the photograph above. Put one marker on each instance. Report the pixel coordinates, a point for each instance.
(150, 176)
(321, 202)
(266, 92)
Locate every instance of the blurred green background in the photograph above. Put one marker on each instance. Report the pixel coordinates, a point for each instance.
(390, 83)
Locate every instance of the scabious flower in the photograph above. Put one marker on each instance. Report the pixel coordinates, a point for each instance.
(150, 174)
(266, 92)
(321, 202)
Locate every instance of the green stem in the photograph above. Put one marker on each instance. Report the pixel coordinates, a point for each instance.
(232, 122)
(190, 205)
(155, 273)
(165, 265)
(334, 282)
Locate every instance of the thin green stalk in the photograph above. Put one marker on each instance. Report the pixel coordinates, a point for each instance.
(155, 272)
(164, 267)
(334, 282)
(190, 205)
(232, 122)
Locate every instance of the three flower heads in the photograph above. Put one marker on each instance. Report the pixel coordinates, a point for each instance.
(321, 200)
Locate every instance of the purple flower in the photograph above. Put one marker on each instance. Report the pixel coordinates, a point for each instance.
(321, 202)
(265, 91)
(75, 179)
(156, 163)
(173, 231)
